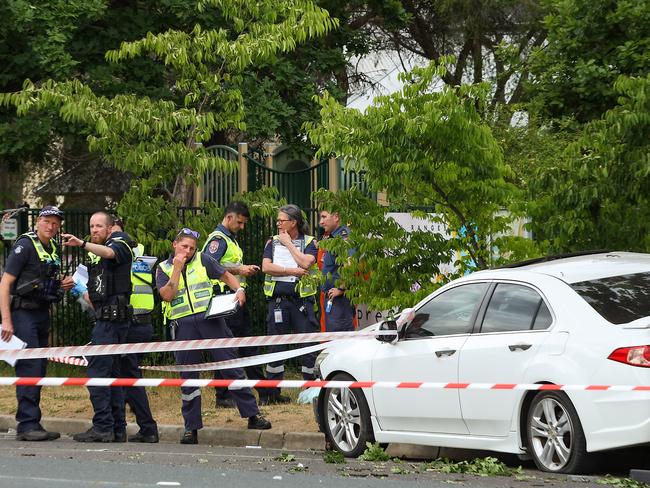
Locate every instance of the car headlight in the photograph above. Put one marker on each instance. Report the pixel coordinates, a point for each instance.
(319, 359)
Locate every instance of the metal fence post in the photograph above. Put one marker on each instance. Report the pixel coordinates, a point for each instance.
(242, 149)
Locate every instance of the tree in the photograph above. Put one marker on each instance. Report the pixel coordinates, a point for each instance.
(156, 139)
(424, 148)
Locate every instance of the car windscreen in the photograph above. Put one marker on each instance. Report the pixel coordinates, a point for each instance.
(619, 299)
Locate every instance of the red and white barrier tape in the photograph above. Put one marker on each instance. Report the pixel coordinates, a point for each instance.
(218, 365)
(141, 347)
(27, 381)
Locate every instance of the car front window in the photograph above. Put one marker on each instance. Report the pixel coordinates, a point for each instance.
(451, 312)
(619, 299)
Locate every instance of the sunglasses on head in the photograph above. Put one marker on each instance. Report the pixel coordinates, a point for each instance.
(189, 232)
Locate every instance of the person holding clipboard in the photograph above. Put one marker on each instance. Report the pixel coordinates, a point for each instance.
(184, 284)
(288, 258)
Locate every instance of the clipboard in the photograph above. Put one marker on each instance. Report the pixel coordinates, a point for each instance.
(222, 306)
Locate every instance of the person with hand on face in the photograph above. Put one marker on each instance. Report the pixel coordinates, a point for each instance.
(109, 290)
(288, 257)
(30, 284)
(222, 246)
(185, 284)
(339, 312)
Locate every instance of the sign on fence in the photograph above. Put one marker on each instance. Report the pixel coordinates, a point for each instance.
(9, 229)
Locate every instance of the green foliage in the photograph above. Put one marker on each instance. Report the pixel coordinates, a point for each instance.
(589, 45)
(620, 482)
(427, 148)
(285, 457)
(374, 452)
(487, 466)
(596, 195)
(333, 457)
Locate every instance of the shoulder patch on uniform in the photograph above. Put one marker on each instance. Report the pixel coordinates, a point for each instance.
(214, 246)
(344, 233)
(18, 249)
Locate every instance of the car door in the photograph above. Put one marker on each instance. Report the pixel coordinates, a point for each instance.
(512, 327)
(427, 352)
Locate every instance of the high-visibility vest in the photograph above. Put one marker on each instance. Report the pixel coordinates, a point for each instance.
(302, 289)
(43, 255)
(233, 256)
(34, 280)
(142, 296)
(192, 297)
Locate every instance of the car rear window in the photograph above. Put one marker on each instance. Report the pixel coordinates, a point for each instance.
(619, 299)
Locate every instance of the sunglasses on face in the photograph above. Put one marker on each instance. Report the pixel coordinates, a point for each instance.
(189, 232)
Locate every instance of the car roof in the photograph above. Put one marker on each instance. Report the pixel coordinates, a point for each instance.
(588, 267)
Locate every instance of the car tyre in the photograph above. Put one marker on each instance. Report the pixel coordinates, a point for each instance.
(556, 440)
(346, 418)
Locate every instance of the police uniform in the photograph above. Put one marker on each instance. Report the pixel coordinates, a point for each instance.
(109, 288)
(290, 308)
(339, 315)
(223, 247)
(140, 330)
(36, 267)
(187, 309)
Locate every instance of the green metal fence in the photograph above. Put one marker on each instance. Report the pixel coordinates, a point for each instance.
(219, 187)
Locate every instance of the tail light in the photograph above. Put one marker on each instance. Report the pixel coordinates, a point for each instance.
(634, 356)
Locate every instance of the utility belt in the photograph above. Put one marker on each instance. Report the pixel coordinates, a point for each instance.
(295, 299)
(142, 319)
(27, 303)
(122, 311)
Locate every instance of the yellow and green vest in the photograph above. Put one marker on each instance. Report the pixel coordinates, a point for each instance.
(192, 297)
(43, 255)
(303, 289)
(233, 256)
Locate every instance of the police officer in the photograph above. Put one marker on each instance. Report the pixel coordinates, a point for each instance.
(289, 257)
(339, 312)
(109, 289)
(184, 282)
(222, 246)
(140, 330)
(30, 283)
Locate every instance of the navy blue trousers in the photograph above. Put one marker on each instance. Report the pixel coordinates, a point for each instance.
(298, 317)
(107, 401)
(240, 325)
(136, 397)
(196, 327)
(341, 316)
(33, 327)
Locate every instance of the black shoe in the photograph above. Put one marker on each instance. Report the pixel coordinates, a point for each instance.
(119, 436)
(274, 400)
(91, 435)
(140, 437)
(190, 437)
(37, 435)
(225, 403)
(258, 422)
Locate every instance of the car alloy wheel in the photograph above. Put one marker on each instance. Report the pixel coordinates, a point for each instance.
(555, 437)
(347, 418)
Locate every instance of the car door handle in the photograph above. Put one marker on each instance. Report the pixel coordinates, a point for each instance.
(521, 347)
(445, 352)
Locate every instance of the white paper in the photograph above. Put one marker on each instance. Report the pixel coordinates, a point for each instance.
(221, 305)
(282, 257)
(150, 260)
(14, 343)
(81, 275)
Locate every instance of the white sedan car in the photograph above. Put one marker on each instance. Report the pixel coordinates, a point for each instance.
(582, 320)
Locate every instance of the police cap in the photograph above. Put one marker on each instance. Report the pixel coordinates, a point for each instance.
(51, 210)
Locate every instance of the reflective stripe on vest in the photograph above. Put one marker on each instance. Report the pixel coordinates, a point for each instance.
(303, 289)
(43, 255)
(193, 297)
(234, 255)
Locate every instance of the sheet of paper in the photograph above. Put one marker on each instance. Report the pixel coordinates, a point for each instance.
(282, 257)
(222, 305)
(81, 275)
(150, 260)
(14, 343)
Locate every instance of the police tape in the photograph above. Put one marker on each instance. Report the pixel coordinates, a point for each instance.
(218, 365)
(196, 344)
(234, 384)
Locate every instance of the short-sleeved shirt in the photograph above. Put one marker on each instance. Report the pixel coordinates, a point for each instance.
(330, 267)
(122, 257)
(213, 268)
(22, 255)
(217, 246)
(282, 287)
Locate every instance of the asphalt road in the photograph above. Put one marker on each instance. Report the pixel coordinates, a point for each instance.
(70, 464)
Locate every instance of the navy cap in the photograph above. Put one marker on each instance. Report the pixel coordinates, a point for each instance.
(51, 210)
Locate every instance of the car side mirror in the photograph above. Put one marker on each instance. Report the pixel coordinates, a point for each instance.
(391, 326)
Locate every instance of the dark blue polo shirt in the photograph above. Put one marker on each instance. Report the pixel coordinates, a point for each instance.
(217, 246)
(330, 267)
